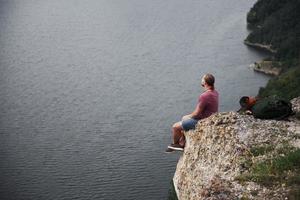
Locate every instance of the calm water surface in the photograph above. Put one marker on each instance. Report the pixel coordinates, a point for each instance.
(90, 89)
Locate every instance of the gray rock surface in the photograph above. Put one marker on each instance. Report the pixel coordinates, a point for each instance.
(215, 152)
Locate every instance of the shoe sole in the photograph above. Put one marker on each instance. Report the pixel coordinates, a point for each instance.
(175, 148)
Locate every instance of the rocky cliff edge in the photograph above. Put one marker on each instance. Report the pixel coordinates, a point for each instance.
(233, 156)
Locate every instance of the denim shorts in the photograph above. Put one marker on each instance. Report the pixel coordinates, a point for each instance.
(189, 124)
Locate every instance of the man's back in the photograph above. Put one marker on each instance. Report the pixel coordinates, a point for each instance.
(209, 101)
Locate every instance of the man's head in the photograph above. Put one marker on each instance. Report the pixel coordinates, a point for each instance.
(208, 81)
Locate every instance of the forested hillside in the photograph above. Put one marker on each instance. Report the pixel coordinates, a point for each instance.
(276, 23)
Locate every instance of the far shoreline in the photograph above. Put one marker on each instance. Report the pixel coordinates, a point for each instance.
(265, 66)
(260, 46)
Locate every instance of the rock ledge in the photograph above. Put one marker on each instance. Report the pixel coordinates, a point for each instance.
(217, 150)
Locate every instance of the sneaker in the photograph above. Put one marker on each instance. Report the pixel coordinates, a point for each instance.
(176, 147)
(168, 150)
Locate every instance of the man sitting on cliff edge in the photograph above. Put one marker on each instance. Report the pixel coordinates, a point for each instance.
(208, 103)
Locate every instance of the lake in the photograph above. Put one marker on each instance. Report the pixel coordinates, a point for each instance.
(90, 89)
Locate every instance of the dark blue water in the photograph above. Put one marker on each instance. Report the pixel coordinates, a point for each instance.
(90, 89)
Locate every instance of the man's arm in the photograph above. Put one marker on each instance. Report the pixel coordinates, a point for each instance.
(198, 110)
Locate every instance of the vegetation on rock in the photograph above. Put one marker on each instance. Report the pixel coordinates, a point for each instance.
(281, 168)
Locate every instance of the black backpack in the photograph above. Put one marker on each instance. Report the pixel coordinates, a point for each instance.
(272, 107)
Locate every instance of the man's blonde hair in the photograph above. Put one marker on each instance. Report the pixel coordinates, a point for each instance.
(209, 80)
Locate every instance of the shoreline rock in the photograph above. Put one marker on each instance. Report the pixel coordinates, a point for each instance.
(219, 150)
(267, 67)
(261, 46)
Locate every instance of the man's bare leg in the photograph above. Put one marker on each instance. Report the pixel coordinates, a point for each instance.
(177, 132)
(182, 140)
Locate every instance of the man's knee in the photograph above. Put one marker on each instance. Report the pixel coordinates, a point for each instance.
(177, 126)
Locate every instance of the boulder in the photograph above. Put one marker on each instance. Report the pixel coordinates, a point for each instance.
(222, 150)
